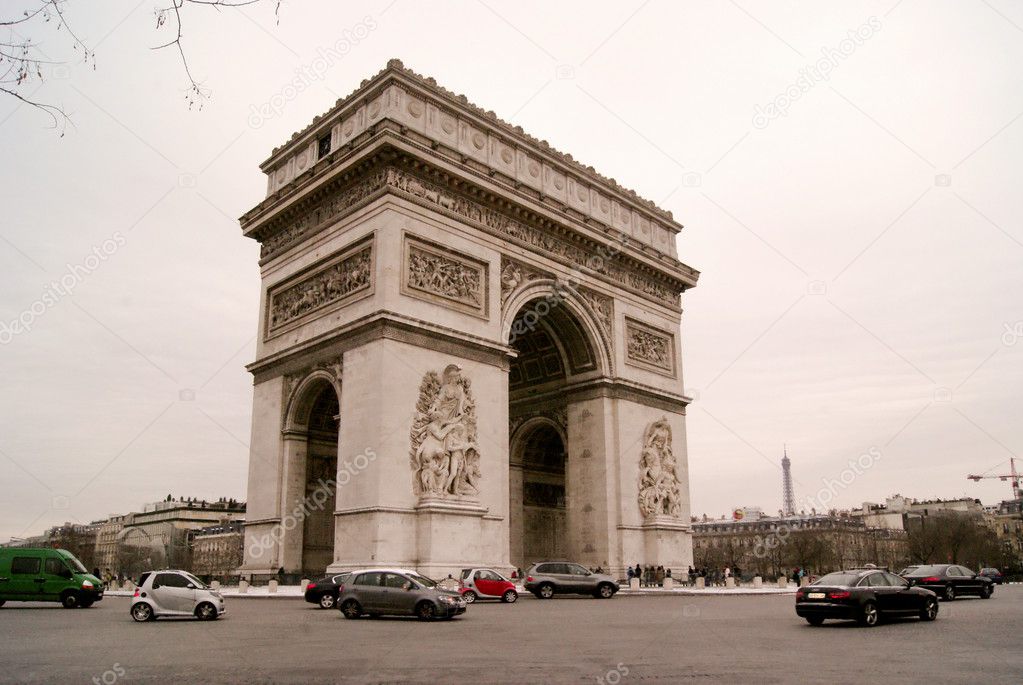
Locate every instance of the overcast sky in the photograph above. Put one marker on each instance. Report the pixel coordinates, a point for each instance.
(859, 238)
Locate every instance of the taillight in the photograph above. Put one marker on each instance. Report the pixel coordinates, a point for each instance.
(931, 579)
(137, 592)
(529, 579)
(340, 589)
(799, 594)
(843, 594)
(310, 586)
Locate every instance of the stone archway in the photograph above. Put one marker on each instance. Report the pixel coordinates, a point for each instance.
(311, 443)
(551, 493)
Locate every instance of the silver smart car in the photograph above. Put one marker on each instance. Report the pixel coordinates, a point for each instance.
(175, 593)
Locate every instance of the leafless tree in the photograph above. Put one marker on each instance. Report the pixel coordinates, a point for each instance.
(22, 60)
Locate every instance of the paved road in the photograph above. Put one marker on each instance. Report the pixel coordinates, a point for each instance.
(624, 640)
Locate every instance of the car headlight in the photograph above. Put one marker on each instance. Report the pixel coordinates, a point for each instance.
(87, 585)
(448, 599)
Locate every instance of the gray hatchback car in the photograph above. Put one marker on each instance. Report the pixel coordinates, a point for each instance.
(548, 578)
(396, 592)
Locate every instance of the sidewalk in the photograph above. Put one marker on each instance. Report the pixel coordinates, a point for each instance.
(295, 591)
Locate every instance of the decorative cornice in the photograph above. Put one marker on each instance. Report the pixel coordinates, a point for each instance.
(454, 112)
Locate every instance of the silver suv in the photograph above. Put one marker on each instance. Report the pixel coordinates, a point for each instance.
(396, 592)
(547, 578)
(175, 593)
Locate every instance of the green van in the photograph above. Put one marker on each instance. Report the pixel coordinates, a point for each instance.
(46, 575)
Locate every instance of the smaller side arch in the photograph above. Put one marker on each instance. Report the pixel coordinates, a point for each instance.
(302, 398)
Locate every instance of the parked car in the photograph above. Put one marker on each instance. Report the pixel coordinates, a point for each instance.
(46, 575)
(175, 593)
(951, 580)
(994, 574)
(548, 578)
(863, 595)
(323, 591)
(479, 583)
(396, 592)
(906, 571)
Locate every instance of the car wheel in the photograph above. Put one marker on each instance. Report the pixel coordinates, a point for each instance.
(545, 591)
(869, 615)
(327, 601)
(142, 612)
(70, 600)
(985, 592)
(469, 596)
(930, 610)
(605, 591)
(950, 593)
(206, 612)
(815, 620)
(426, 611)
(509, 596)
(351, 609)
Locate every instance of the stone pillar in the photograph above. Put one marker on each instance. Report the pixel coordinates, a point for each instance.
(669, 583)
(589, 462)
(215, 584)
(272, 587)
(729, 581)
(243, 586)
(783, 582)
(305, 583)
(701, 582)
(633, 583)
(292, 496)
(758, 581)
(804, 581)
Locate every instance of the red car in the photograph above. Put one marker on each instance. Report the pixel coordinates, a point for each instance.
(486, 583)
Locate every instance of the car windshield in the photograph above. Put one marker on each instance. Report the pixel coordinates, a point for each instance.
(422, 580)
(846, 579)
(927, 571)
(76, 565)
(195, 581)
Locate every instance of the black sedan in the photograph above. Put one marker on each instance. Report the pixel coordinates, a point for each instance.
(323, 591)
(863, 595)
(951, 580)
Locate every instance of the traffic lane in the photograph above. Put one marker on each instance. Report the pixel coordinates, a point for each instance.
(714, 638)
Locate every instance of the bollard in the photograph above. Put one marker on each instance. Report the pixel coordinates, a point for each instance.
(272, 587)
(243, 586)
(305, 582)
(730, 581)
(634, 583)
(215, 584)
(804, 581)
(669, 583)
(758, 581)
(701, 582)
(783, 582)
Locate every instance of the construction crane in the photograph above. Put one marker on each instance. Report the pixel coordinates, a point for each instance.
(1012, 476)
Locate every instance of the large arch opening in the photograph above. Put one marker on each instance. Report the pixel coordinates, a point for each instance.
(553, 350)
(316, 419)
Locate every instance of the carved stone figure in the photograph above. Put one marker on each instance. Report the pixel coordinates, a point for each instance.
(321, 289)
(648, 347)
(445, 276)
(444, 455)
(658, 478)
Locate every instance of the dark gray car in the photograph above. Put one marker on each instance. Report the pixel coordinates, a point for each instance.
(548, 578)
(396, 592)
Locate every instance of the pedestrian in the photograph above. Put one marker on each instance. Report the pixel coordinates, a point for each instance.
(692, 575)
(659, 578)
(638, 573)
(667, 573)
(629, 573)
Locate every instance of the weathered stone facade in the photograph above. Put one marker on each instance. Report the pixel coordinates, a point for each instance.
(474, 332)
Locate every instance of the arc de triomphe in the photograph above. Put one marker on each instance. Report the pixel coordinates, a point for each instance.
(468, 349)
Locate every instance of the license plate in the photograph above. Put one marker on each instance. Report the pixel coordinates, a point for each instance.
(815, 595)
